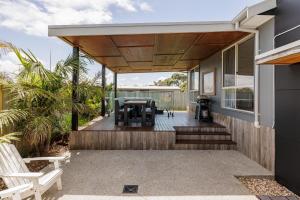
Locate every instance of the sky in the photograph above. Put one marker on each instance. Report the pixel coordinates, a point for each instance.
(25, 24)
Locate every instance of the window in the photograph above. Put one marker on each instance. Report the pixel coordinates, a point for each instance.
(229, 67)
(238, 76)
(194, 84)
(194, 79)
(208, 83)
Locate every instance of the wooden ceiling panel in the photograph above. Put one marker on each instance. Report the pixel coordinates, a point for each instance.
(112, 61)
(199, 52)
(95, 45)
(286, 60)
(140, 64)
(165, 60)
(160, 52)
(187, 63)
(224, 38)
(133, 40)
(174, 43)
(140, 54)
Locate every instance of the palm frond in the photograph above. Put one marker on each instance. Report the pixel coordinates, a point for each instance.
(8, 138)
(38, 129)
(10, 117)
(5, 47)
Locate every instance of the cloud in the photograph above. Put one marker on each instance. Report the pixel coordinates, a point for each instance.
(34, 16)
(9, 64)
(144, 6)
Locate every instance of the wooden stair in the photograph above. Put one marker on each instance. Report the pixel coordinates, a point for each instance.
(208, 137)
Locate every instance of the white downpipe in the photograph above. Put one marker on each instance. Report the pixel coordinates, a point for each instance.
(256, 69)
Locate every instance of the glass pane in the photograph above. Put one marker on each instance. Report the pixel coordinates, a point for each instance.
(245, 71)
(208, 83)
(229, 98)
(196, 79)
(192, 75)
(245, 99)
(193, 96)
(229, 67)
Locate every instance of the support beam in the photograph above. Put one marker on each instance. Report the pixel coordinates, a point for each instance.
(103, 91)
(116, 84)
(75, 82)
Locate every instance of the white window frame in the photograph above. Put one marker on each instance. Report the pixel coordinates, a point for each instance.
(236, 55)
(193, 90)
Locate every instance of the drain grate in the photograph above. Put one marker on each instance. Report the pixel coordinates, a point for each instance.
(130, 189)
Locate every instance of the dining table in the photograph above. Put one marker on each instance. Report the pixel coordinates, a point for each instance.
(141, 104)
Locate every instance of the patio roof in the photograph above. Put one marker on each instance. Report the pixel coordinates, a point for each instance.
(159, 47)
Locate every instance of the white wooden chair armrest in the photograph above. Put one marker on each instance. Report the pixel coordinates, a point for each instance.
(54, 160)
(28, 175)
(11, 192)
(50, 159)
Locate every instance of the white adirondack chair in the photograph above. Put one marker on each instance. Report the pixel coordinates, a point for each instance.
(20, 182)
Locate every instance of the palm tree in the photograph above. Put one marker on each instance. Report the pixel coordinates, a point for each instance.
(4, 47)
(43, 96)
(7, 117)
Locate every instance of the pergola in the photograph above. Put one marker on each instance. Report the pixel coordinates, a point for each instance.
(156, 47)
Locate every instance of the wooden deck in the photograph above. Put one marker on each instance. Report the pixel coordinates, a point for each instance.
(162, 123)
(179, 132)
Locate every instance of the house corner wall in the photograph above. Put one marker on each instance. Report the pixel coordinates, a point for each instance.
(257, 144)
(287, 98)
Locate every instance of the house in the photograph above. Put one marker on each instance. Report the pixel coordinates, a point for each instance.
(247, 66)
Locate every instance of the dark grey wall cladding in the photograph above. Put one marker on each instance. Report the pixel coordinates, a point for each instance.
(215, 62)
(287, 100)
(287, 17)
(266, 77)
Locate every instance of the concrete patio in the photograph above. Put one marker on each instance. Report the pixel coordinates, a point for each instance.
(159, 174)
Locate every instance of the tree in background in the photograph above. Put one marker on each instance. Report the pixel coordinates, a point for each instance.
(177, 79)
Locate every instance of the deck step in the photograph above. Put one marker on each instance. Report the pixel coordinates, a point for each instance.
(205, 145)
(196, 129)
(230, 142)
(203, 136)
(201, 133)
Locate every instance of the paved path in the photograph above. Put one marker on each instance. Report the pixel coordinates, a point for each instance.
(160, 175)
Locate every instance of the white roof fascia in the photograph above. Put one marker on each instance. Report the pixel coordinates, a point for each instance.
(286, 50)
(139, 28)
(250, 17)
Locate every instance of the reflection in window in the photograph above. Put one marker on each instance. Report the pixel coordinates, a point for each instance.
(245, 99)
(238, 91)
(209, 83)
(229, 98)
(229, 67)
(245, 71)
(194, 79)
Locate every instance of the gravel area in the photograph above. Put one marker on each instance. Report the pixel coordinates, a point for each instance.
(265, 186)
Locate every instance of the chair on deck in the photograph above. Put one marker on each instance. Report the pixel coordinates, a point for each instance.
(20, 182)
(119, 110)
(150, 112)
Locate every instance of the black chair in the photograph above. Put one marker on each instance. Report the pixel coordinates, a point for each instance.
(119, 110)
(150, 112)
